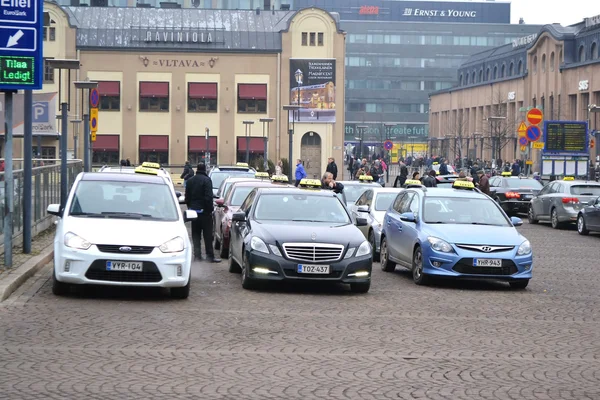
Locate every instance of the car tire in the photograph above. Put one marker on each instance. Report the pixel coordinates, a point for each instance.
(531, 216)
(581, 228)
(247, 282)
(520, 284)
(386, 264)
(362, 287)
(234, 267)
(181, 293)
(372, 242)
(417, 268)
(556, 224)
(59, 288)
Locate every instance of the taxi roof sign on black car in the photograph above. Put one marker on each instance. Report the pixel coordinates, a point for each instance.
(464, 185)
(146, 171)
(262, 175)
(413, 183)
(280, 178)
(365, 178)
(310, 184)
(151, 165)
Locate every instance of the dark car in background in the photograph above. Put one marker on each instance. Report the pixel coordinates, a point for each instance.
(221, 172)
(589, 216)
(514, 193)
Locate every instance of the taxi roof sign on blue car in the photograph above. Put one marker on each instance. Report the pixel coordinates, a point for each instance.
(262, 175)
(151, 165)
(310, 183)
(146, 170)
(280, 178)
(465, 185)
(365, 178)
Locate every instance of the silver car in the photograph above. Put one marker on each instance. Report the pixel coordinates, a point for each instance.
(560, 202)
(354, 189)
(372, 205)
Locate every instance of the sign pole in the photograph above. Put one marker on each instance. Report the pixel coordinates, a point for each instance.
(9, 193)
(28, 169)
(86, 142)
(207, 154)
(64, 132)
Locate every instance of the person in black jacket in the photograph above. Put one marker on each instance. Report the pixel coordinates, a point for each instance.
(199, 197)
(187, 174)
(330, 184)
(332, 167)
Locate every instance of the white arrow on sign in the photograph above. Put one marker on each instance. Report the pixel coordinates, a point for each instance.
(14, 39)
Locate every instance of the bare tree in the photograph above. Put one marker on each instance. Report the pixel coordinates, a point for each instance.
(501, 128)
(457, 131)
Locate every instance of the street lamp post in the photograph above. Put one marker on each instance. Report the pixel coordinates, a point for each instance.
(75, 123)
(412, 143)
(475, 137)
(362, 129)
(592, 108)
(298, 75)
(207, 140)
(248, 125)
(83, 85)
(293, 109)
(266, 121)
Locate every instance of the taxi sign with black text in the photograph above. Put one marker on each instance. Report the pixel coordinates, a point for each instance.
(413, 182)
(310, 183)
(280, 178)
(506, 173)
(568, 178)
(146, 170)
(241, 164)
(261, 175)
(365, 178)
(463, 185)
(151, 165)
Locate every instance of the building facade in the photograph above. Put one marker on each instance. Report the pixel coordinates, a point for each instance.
(167, 77)
(556, 70)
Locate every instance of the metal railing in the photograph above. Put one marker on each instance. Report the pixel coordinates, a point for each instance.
(45, 190)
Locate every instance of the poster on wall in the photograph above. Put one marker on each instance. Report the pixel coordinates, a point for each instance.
(312, 86)
(43, 118)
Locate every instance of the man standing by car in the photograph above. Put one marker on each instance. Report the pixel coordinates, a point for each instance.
(187, 174)
(332, 167)
(199, 197)
(484, 183)
(330, 184)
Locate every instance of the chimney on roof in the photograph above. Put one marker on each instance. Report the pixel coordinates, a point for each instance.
(521, 21)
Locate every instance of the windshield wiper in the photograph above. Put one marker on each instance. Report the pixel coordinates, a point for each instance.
(125, 214)
(437, 222)
(483, 223)
(86, 214)
(316, 220)
(586, 194)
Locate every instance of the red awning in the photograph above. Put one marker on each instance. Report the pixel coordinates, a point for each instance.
(106, 143)
(154, 143)
(109, 88)
(256, 144)
(198, 143)
(252, 91)
(202, 90)
(154, 89)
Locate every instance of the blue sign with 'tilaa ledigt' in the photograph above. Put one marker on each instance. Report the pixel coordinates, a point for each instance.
(21, 54)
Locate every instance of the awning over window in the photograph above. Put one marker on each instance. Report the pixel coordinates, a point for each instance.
(252, 91)
(109, 88)
(198, 144)
(202, 90)
(106, 143)
(154, 89)
(256, 144)
(154, 143)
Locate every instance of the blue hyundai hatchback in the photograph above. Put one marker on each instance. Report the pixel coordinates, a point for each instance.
(457, 232)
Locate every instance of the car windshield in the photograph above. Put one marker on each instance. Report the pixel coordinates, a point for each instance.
(353, 192)
(585, 190)
(240, 194)
(218, 177)
(383, 201)
(514, 183)
(129, 200)
(300, 207)
(461, 210)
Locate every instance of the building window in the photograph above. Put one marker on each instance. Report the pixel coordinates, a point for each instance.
(534, 64)
(581, 53)
(543, 63)
(252, 98)
(460, 80)
(320, 38)
(255, 145)
(473, 77)
(481, 75)
(154, 148)
(312, 38)
(552, 61)
(594, 51)
(488, 74)
(197, 149)
(105, 150)
(48, 152)
(503, 71)
(52, 33)
(110, 95)
(154, 96)
(48, 72)
(495, 72)
(304, 39)
(202, 97)
(511, 69)
(520, 68)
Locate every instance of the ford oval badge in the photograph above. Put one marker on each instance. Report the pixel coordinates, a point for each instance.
(125, 249)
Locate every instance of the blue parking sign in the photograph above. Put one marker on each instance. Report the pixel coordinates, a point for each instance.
(40, 112)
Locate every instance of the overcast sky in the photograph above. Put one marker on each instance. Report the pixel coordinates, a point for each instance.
(565, 12)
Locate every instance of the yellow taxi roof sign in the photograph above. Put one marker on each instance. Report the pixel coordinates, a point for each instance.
(506, 173)
(436, 163)
(146, 171)
(365, 178)
(310, 183)
(151, 165)
(280, 178)
(261, 175)
(463, 185)
(568, 178)
(413, 183)
(241, 164)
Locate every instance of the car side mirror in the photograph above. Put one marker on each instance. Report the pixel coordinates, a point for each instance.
(408, 217)
(190, 215)
(364, 209)
(181, 199)
(220, 202)
(516, 221)
(54, 209)
(239, 217)
(360, 221)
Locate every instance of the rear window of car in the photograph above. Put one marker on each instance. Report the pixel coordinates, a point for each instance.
(523, 183)
(585, 190)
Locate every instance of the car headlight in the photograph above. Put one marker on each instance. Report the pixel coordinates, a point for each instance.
(174, 245)
(438, 244)
(275, 250)
(257, 244)
(76, 242)
(364, 249)
(524, 248)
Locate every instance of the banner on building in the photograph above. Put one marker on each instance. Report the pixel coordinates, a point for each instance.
(44, 114)
(312, 87)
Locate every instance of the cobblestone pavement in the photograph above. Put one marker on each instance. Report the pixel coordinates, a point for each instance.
(400, 341)
(38, 243)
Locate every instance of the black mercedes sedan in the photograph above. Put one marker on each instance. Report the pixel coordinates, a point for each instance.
(298, 234)
(514, 193)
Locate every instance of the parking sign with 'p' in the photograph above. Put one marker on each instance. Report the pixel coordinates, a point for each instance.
(40, 112)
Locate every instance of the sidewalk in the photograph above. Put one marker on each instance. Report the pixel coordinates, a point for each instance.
(26, 265)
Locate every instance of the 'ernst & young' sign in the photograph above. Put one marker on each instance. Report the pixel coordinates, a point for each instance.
(450, 13)
(162, 36)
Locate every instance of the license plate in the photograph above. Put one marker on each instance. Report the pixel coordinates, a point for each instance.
(134, 266)
(487, 262)
(526, 196)
(313, 269)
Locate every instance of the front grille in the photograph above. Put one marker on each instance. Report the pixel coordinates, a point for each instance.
(114, 248)
(465, 266)
(313, 252)
(485, 248)
(97, 272)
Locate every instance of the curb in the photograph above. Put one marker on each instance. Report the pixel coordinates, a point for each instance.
(19, 276)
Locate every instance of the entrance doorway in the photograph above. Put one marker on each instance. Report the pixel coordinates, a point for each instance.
(310, 153)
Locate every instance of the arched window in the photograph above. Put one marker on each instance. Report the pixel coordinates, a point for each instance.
(534, 64)
(552, 61)
(581, 53)
(473, 78)
(511, 69)
(520, 67)
(488, 74)
(560, 58)
(503, 71)
(543, 63)
(467, 79)
(460, 80)
(481, 75)
(594, 51)
(495, 72)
